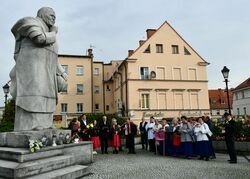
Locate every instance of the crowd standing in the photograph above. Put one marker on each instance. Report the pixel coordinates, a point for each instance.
(181, 137)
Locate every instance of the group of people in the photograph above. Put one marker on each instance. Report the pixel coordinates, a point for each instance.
(186, 137)
(105, 135)
(183, 137)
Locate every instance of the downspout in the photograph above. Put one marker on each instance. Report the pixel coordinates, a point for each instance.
(104, 109)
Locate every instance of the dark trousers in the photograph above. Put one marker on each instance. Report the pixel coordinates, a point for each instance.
(130, 143)
(104, 145)
(231, 149)
(151, 145)
(211, 146)
(144, 140)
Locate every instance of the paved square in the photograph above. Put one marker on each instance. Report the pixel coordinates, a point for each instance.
(147, 165)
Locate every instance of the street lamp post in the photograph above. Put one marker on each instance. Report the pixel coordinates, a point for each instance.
(6, 90)
(225, 73)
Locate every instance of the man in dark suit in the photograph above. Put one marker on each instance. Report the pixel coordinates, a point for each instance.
(130, 132)
(83, 126)
(144, 135)
(104, 134)
(230, 130)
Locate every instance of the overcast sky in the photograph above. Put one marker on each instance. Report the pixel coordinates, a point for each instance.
(219, 30)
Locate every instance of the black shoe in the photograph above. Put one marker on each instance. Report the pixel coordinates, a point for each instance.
(201, 158)
(233, 161)
(114, 151)
(207, 158)
(213, 157)
(229, 160)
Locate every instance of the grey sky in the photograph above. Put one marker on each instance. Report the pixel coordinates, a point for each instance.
(217, 29)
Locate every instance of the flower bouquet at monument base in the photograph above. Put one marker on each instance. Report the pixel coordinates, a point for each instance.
(35, 145)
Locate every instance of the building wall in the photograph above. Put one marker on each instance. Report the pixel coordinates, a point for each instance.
(71, 97)
(180, 86)
(241, 102)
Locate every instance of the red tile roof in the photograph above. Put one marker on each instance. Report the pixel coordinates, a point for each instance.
(216, 98)
(244, 84)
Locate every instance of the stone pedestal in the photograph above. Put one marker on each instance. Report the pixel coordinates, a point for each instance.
(61, 161)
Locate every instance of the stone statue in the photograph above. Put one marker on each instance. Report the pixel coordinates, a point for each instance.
(37, 76)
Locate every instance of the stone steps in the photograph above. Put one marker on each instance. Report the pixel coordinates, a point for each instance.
(70, 172)
(24, 155)
(11, 169)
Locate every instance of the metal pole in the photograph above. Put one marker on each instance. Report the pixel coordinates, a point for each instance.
(228, 101)
(5, 99)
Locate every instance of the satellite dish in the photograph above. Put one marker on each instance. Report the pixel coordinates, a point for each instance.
(152, 75)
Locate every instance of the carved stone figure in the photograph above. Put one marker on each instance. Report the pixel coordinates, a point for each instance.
(37, 76)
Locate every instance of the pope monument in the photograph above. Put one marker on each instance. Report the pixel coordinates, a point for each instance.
(37, 76)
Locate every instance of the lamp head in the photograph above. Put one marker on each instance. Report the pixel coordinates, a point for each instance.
(225, 72)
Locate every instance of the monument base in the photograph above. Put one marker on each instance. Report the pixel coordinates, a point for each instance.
(21, 138)
(62, 161)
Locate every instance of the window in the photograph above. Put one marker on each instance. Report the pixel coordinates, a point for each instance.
(96, 107)
(79, 70)
(159, 48)
(64, 107)
(222, 101)
(65, 67)
(175, 49)
(144, 73)
(79, 88)
(147, 50)
(107, 88)
(177, 74)
(65, 90)
(79, 107)
(238, 111)
(145, 101)
(107, 107)
(245, 110)
(186, 52)
(97, 89)
(213, 102)
(96, 71)
(243, 94)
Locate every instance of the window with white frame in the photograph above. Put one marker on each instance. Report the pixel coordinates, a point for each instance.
(96, 71)
(144, 72)
(159, 48)
(79, 107)
(65, 89)
(145, 101)
(107, 107)
(97, 89)
(65, 67)
(79, 70)
(79, 88)
(96, 107)
(64, 107)
(175, 49)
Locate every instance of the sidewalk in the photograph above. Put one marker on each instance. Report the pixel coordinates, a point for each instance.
(147, 165)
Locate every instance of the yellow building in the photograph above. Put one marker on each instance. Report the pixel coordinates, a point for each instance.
(164, 77)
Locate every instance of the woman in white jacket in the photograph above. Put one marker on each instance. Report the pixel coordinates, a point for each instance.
(201, 131)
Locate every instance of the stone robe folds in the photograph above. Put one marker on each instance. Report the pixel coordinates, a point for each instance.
(36, 78)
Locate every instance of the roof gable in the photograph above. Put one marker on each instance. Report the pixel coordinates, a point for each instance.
(168, 31)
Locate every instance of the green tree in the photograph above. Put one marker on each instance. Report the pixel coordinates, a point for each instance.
(7, 124)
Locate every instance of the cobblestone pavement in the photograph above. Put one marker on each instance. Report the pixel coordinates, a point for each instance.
(147, 165)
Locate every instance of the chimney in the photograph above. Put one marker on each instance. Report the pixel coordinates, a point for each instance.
(90, 52)
(150, 32)
(130, 52)
(141, 42)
